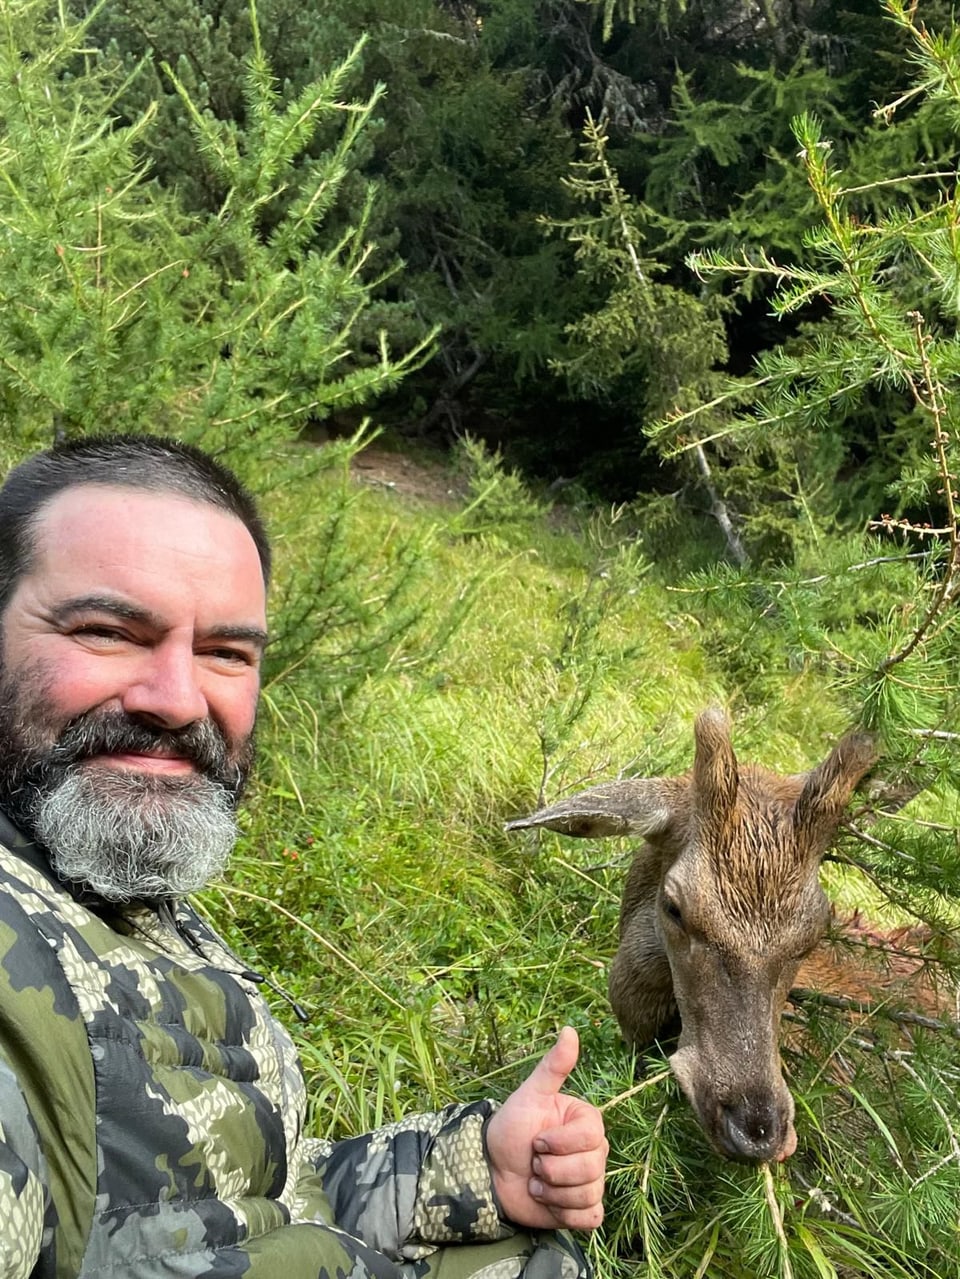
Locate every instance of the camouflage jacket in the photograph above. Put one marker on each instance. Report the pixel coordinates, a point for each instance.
(151, 1114)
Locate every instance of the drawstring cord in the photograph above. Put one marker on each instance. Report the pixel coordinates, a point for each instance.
(168, 916)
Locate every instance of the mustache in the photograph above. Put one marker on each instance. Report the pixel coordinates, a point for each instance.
(98, 733)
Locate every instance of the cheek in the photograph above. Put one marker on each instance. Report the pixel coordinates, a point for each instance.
(76, 684)
(234, 707)
(48, 693)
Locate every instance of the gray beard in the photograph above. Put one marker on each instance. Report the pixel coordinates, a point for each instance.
(131, 837)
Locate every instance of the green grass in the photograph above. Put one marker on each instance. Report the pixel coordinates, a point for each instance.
(438, 956)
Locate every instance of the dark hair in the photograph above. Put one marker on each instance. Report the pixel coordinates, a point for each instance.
(149, 462)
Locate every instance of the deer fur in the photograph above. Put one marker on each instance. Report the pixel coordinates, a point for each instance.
(721, 905)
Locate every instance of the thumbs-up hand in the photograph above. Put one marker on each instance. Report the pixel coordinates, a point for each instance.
(547, 1150)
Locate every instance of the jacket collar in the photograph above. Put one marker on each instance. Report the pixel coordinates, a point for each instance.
(13, 838)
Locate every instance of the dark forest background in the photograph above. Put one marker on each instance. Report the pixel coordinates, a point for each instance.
(478, 188)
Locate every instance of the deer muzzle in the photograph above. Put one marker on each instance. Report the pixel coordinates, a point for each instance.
(750, 1121)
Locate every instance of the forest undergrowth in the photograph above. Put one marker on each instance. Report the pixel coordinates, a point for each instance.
(436, 957)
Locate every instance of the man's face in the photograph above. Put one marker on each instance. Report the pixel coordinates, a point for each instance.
(128, 692)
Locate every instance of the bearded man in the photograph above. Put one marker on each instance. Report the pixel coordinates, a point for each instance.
(151, 1108)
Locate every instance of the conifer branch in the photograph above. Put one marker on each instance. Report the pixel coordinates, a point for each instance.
(637, 1088)
(776, 1216)
(950, 174)
(931, 399)
(779, 416)
(802, 995)
(954, 1143)
(881, 846)
(430, 33)
(596, 136)
(784, 584)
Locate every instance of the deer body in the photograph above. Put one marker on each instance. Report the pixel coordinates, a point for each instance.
(721, 904)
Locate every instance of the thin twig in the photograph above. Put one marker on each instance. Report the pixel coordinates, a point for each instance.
(802, 581)
(777, 1218)
(802, 995)
(632, 1092)
(645, 1178)
(823, 1201)
(932, 401)
(889, 182)
(600, 888)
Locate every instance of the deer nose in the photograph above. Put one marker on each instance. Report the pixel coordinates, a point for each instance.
(753, 1130)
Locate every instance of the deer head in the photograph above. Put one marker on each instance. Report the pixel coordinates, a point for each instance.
(721, 904)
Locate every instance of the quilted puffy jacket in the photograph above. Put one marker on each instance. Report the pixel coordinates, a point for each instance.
(152, 1108)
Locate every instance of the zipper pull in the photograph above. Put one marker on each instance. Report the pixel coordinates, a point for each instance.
(299, 1011)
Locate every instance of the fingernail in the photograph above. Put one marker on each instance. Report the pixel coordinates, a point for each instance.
(537, 1164)
(540, 1145)
(536, 1188)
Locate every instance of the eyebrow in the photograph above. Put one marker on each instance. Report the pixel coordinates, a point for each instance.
(116, 606)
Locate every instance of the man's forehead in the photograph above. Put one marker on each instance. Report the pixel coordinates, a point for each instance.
(96, 496)
(121, 540)
(120, 508)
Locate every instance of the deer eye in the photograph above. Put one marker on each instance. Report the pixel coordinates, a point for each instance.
(672, 911)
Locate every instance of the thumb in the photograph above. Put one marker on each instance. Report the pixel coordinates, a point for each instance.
(551, 1071)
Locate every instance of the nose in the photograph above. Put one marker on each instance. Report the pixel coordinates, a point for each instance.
(754, 1130)
(165, 689)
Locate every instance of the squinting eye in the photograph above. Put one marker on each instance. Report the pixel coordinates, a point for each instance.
(95, 632)
(673, 911)
(231, 655)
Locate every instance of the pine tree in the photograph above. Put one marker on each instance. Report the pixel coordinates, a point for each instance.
(464, 153)
(122, 307)
(875, 1188)
(661, 340)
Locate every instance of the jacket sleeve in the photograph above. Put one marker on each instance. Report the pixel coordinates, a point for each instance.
(412, 1185)
(23, 1194)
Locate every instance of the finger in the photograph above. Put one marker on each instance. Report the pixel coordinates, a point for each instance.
(566, 1197)
(581, 1130)
(579, 1218)
(571, 1170)
(551, 1071)
(573, 1218)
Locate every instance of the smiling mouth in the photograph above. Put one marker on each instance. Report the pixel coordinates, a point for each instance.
(139, 762)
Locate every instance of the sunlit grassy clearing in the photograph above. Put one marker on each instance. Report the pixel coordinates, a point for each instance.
(437, 956)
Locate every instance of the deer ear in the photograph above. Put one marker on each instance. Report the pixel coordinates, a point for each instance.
(828, 788)
(715, 779)
(637, 806)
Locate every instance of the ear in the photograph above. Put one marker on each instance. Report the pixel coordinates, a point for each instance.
(828, 788)
(715, 778)
(637, 806)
